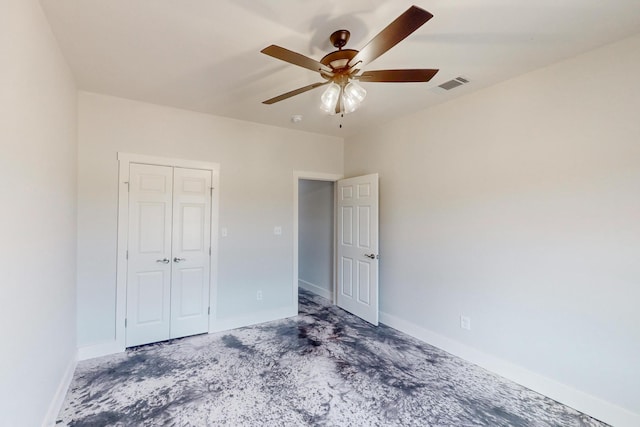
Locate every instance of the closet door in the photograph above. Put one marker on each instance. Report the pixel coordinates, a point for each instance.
(190, 252)
(149, 254)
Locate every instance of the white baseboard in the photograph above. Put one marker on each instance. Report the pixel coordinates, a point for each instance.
(99, 350)
(112, 347)
(318, 290)
(220, 325)
(61, 392)
(591, 405)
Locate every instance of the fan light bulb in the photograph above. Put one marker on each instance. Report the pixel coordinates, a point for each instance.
(353, 96)
(330, 98)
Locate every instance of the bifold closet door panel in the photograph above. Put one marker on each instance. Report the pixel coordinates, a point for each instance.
(190, 249)
(149, 254)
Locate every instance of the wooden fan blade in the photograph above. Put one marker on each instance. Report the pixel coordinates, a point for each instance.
(412, 19)
(295, 58)
(397, 76)
(294, 93)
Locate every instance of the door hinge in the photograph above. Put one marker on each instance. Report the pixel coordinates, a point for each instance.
(126, 255)
(208, 310)
(125, 322)
(209, 250)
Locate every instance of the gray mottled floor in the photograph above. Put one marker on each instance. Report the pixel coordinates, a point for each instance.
(324, 367)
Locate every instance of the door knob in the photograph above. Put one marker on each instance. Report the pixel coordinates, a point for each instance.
(372, 256)
(176, 259)
(164, 260)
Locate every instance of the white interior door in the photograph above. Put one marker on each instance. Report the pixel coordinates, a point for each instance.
(357, 246)
(149, 254)
(190, 254)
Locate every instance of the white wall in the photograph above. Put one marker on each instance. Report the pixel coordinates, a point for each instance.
(519, 206)
(256, 194)
(315, 236)
(37, 219)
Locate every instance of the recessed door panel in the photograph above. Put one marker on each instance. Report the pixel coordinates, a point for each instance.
(151, 182)
(151, 226)
(364, 191)
(194, 185)
(192, 223)
(347, 277)
(346, 192)
(364, 282)
(346, 228)
(191, 286)
(150, 301)
(364, 227)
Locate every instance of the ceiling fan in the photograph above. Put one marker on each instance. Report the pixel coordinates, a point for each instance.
(340, 69)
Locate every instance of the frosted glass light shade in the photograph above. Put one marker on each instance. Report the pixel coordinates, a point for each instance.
(355, 91)
(353, 96)
(329, 98)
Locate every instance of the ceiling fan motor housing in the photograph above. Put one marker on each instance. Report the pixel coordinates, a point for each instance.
(340, 38)
(338, 61)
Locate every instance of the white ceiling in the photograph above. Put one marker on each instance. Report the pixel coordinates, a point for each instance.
(204, 55)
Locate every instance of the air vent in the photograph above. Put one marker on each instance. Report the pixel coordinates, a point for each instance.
(458, 81)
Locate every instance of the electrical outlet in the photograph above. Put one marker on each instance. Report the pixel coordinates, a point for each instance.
(277, 230)
(224, 231)
(259, 296)
(465, 322)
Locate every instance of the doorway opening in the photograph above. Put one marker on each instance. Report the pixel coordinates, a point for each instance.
(315, 237)
(314, 234)
(355, 235)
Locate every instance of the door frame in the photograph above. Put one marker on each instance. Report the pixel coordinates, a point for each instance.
(313, 176)
(124, 160)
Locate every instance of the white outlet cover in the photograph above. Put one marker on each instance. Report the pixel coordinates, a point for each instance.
(465, 322)
(224, 232)
(277, 230)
